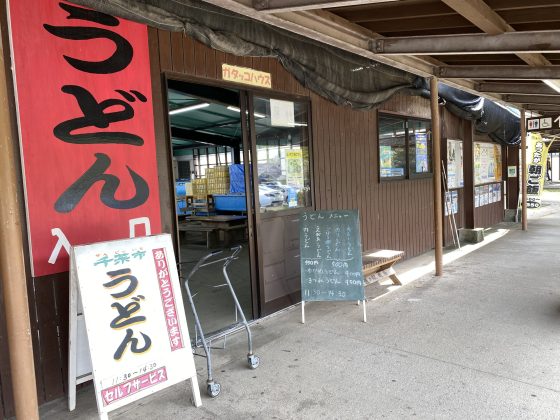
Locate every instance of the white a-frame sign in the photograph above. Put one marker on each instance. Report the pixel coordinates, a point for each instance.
(134, 316)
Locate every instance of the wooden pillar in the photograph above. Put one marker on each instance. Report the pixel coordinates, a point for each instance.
(436, 141)
(512, 153)
(12, 264)
(468, 171)
(523, 171)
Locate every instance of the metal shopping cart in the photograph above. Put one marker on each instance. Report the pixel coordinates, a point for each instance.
(212, 387)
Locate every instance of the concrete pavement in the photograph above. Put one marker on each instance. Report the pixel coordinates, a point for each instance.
(481, 341)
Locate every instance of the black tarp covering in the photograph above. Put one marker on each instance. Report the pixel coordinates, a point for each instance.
(342, 77)
(500, 124)
(339, 76)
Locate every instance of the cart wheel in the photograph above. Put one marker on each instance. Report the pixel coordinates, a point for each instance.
(253, 361)
(213, 389)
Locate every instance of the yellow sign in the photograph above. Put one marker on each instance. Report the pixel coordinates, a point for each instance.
(537, 154)
(246, 76)
(294, 170)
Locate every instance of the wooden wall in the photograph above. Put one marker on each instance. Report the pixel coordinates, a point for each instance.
(397, 214)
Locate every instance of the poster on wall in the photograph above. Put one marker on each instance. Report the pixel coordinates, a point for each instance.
(135, 320)
(421, 141)
(487, 162)
(512, 171)
(294, 175)
(87, 137)
(454, 164)
(294, 168)
(386, 161)
(452, 203)
(477, 196)
(497, 163)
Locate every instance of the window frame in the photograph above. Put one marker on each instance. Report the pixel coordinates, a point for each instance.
(254, 93)
(407, 174)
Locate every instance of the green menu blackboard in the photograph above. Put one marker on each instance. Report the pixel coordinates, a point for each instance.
(331, 256)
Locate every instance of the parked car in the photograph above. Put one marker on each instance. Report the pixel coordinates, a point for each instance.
(276, 186)
(270, 197)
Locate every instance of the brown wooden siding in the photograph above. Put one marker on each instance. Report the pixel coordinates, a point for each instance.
(396, 215)
(513, 182)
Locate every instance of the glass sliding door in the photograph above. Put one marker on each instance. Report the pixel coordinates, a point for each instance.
(210, 150)
(281, 149)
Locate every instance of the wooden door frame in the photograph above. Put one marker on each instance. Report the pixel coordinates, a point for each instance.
(295, 297)
(253, 257)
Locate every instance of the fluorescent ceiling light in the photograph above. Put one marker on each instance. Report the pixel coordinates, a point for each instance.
(235, 109)
(189, 108)
(553, 83)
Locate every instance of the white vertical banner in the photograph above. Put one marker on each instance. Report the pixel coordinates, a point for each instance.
(537, 155)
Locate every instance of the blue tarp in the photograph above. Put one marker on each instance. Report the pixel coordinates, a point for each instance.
(236, 178)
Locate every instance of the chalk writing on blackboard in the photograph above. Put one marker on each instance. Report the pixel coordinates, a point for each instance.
(331, 257)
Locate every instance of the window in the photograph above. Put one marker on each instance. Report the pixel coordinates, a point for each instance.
(405, 147)
(209, 157)
(282, 145)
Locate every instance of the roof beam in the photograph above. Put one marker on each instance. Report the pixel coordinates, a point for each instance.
(272, 6)
(507, 43)
(481, 15)
(516, 88)
(395, 11)
(329, 29)
(533, 99)
(499, 72)
(542, 108)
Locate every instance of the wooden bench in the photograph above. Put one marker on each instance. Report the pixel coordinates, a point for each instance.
(211, 232)
(377, 264)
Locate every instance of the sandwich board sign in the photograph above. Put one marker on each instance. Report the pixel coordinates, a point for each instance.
(331, 257)
(134, 317)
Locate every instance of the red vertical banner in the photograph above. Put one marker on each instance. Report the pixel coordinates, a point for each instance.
(86, 128)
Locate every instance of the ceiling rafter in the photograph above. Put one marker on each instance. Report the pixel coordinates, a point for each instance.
(394, 11)
(542, 108)
(330, 29)
(515, 72)
(533, 99)
(481, 15)
(516, 88)
(310, 19)
(271, 6)
(506, 43)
